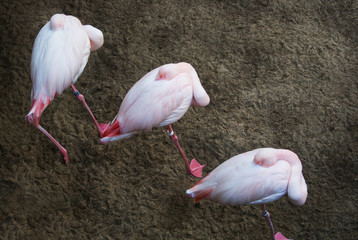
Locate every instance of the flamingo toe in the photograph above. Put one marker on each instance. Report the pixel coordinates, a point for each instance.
(196, 168)
(279, 236)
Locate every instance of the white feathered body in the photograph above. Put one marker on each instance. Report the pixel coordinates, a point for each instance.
(59, 55)
(241, 181)
(159, 98)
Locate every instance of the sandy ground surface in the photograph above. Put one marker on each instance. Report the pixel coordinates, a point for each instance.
(279, 73)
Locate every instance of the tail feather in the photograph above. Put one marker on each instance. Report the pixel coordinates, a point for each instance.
(105, 140)
(113, 133)
(112, 129)
(198, 194)
(200, 181)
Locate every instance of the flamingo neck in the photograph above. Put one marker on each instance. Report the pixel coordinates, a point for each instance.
(297, 188)
(290, 157)
(201, 98)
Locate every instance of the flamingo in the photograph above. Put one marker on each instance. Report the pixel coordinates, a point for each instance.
(159, 98)
(259, 176)
(59, 55)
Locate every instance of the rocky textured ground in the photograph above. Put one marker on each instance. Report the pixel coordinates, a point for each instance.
(279, 73)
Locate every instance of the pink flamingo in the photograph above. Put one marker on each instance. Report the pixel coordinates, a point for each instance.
(59, 55)
(158, 99)
(256, 177)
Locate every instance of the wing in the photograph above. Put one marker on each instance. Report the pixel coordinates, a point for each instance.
(268, 184)
(241, 181)
(59, 57)
(153, 103)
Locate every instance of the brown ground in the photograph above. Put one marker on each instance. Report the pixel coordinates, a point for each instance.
(279, 73)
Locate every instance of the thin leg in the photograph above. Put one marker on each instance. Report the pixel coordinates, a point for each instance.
(277, 236)
(100, 127)
(175, 139)
(62, 149)
(266, 214)
(194, 168)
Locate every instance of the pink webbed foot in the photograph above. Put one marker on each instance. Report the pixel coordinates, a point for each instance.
(279, 236)
(196, 169)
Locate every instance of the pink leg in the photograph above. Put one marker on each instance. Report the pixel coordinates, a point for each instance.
(194, 168)
(62, 149)
(266, 214)
(100, 127)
